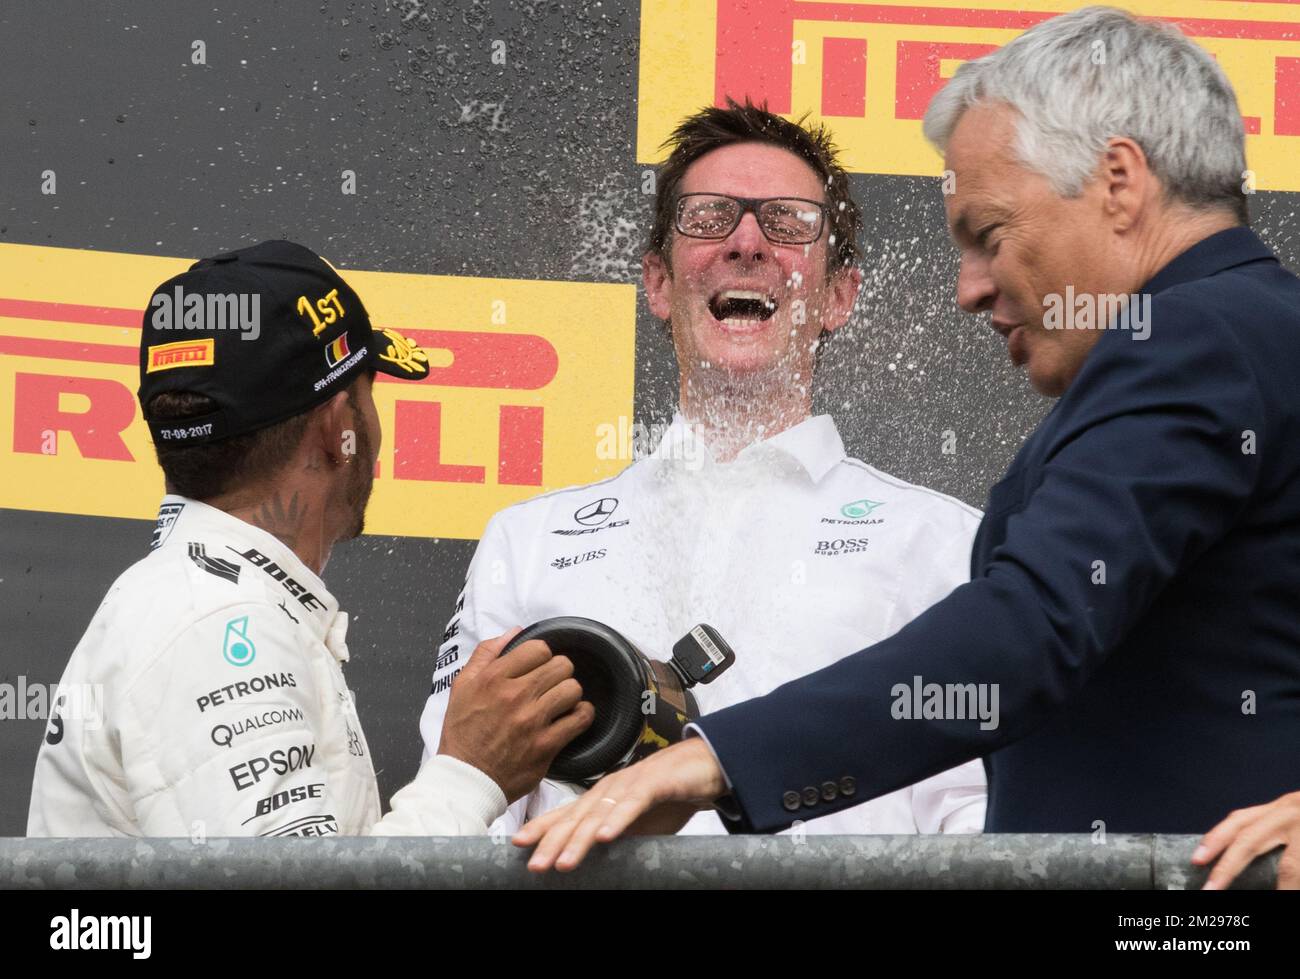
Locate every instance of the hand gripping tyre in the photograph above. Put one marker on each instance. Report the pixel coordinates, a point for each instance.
(641, 704)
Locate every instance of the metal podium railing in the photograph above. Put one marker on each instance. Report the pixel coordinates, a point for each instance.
(991, 861)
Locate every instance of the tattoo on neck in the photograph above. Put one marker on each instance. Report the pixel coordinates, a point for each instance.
(284, 521)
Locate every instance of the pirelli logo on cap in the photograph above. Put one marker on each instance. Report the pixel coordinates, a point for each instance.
(183, 353)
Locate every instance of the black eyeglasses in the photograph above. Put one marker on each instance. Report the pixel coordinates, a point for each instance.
(783, 220)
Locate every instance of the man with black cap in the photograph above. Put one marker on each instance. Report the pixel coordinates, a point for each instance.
(220, 707)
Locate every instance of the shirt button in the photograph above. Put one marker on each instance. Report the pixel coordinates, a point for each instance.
(790, 800)
(848, 785)
(829, 791)
(810, 796)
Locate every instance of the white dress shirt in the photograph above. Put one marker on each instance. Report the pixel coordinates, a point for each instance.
(796, 553)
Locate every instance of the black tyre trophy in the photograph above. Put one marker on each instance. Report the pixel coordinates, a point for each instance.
(641, 704)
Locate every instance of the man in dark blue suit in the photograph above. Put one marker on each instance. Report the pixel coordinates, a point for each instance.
(1126, 656)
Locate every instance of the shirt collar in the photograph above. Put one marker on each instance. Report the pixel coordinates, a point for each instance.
(182, 521)
(1220, 251)
(814, 444)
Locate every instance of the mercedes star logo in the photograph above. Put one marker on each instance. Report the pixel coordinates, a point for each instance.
(596, 513)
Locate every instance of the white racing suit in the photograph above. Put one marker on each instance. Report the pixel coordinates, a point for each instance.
(207, 698)
(796, 553)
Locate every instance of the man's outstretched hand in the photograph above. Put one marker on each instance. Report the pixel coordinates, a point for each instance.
(657, 795)
(1250, 833)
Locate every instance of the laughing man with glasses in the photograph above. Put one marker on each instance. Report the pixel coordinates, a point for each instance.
(748, 515)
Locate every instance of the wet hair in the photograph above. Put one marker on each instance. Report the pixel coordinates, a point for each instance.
(712, 128)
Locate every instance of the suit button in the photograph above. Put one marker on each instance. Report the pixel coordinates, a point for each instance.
(848, 785)
(790, 800)
(810, 796)
(829, 791)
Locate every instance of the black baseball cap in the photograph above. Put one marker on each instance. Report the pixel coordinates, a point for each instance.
(274, 331)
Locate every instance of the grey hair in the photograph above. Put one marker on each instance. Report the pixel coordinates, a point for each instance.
(1084, 77)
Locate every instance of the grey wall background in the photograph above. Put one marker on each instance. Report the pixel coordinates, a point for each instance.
(522, 170)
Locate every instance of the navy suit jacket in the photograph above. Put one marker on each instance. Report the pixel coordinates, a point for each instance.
(1135, 596)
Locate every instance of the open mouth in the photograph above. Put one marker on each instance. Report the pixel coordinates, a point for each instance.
(742, 305)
